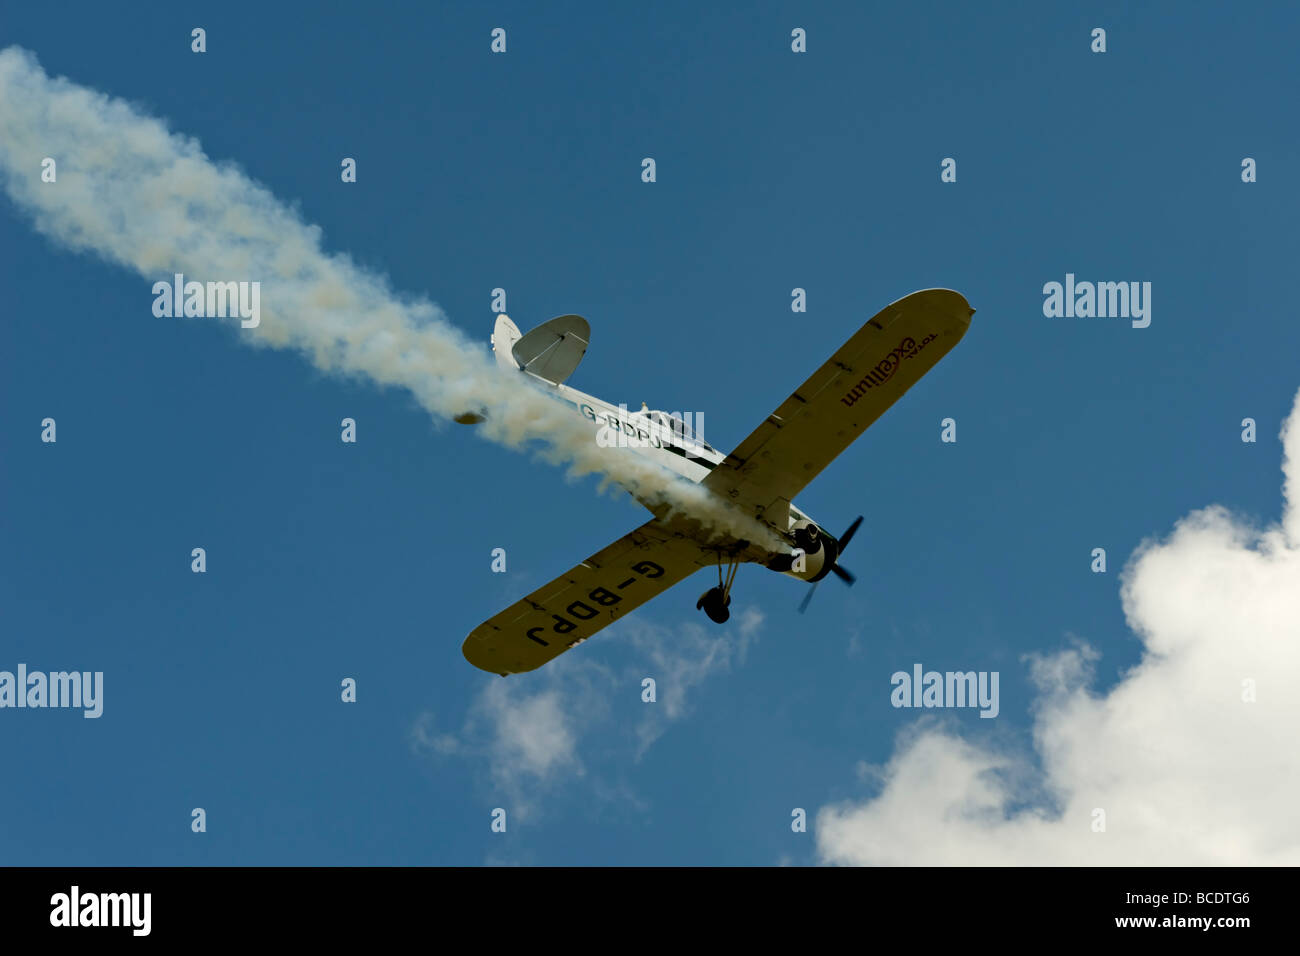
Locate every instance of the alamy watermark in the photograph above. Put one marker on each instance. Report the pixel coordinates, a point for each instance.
(1102, 300)
(75, 908)
(211, 300)
(647, 428)
(922, 688)
(84, 689)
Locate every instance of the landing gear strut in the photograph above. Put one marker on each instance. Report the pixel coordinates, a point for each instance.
(715, 602)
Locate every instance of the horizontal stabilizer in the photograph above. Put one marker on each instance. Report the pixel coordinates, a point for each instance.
(553, 350)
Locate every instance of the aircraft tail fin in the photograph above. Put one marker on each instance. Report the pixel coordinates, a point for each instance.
(504, 337)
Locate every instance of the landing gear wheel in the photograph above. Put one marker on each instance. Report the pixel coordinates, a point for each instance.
(715, 603)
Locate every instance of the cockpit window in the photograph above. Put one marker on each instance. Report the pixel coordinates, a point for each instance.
(671, 422)
(677, 427)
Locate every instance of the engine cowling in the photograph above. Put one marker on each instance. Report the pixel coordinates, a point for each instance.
(813, 556)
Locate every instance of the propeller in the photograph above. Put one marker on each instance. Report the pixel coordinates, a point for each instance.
(846, 576)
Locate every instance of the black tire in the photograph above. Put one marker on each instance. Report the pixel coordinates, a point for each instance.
(713, 604)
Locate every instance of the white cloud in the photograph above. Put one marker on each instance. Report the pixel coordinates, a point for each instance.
(527, 732)
(680, 660)
(524, 734)
(533, 735)
(1186, 771)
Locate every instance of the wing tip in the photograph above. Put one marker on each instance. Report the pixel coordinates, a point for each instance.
(946, 301)
(489, 660)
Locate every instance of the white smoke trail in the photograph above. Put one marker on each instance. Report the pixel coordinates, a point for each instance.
(150, 200)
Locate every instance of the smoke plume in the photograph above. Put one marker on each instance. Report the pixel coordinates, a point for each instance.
(137, 195)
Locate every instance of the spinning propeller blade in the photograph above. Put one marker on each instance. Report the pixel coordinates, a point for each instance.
(842, 573)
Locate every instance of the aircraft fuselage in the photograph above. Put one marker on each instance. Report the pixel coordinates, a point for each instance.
(643, 433)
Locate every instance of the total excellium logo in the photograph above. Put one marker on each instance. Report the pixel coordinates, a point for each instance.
(884, 371)
(75, 908)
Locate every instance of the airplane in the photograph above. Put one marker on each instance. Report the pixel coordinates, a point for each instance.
(761, 477)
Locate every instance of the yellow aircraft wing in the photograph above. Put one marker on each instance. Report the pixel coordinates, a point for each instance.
(873, 369)
(638, 566)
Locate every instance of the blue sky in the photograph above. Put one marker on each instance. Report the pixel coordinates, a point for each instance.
(522, 171)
